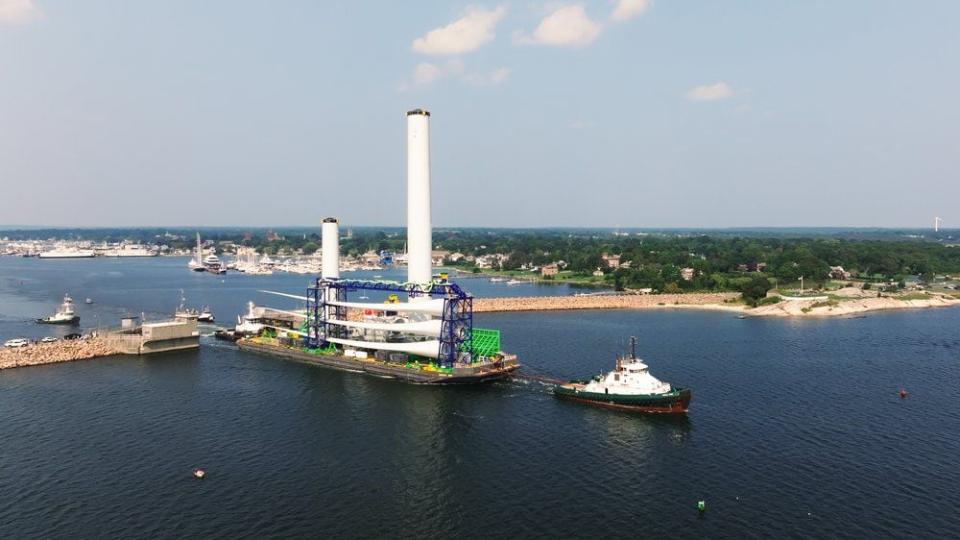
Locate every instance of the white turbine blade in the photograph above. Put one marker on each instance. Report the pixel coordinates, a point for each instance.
(422, 328)
(294, 296)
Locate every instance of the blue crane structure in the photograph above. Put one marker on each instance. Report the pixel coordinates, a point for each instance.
(456, 330)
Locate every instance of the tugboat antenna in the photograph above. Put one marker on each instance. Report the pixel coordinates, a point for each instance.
(633, 347)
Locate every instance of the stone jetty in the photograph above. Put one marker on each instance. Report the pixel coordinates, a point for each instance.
(612, 301)
(52, 353)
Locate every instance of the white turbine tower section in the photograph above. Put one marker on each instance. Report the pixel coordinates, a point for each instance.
(419, 227)
(330, 240)
(936, 224)
(430, 349)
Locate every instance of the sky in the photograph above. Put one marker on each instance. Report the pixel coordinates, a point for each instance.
(608, 113)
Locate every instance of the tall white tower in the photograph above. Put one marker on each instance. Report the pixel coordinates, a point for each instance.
(419, 227)
(330, 248)
(936, 224)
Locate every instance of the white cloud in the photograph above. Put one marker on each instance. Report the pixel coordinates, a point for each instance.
(710, 92)
(426, 74)
(18, 11)
(494, 77)
(463, 35)
(567, 26)
(628, 9)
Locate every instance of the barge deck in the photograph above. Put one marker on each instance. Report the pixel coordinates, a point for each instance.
(480, 372)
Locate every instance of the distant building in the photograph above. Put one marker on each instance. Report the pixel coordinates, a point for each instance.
(272, 236)
(549, 270)
(598, 273)
(612, 261)
(837, 272)
(752, 267)
(688, 274)
(439, 256)
(370, 258)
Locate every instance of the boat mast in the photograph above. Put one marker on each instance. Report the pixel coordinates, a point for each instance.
(633, 347)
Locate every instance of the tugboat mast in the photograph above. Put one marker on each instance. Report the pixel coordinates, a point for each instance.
(633, 347)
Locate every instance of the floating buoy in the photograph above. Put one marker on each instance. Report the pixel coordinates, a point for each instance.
(198, 473)
(903, 393)
(701, 506)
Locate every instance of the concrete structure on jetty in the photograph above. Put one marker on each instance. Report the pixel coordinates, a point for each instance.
(148, 338)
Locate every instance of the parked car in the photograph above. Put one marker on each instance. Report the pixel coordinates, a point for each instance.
(49, 339)
(14, 343)
(72, 336)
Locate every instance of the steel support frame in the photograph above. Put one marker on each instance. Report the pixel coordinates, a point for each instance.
(457, 317)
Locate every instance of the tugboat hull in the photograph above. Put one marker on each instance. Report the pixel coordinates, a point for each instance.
(674, 402)
(73, 321)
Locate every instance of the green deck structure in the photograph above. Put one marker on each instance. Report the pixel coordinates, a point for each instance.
(485, 342)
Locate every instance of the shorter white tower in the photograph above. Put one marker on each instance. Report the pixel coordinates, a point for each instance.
(936, 224)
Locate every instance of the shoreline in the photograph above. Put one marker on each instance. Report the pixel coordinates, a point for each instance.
(39, 354)
(711, 302)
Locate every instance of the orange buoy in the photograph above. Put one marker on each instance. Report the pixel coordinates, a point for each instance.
(198, 473)
(903, 393)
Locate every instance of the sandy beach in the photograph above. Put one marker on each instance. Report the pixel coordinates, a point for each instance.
(843, 302)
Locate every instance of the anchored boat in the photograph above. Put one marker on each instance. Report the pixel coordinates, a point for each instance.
(64, 315)
(630, 386)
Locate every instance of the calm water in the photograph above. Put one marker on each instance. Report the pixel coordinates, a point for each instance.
(795, 430)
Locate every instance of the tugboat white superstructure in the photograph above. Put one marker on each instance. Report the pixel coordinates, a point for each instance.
(64, 315)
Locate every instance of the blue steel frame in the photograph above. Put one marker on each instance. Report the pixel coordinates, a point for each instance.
(456, 329)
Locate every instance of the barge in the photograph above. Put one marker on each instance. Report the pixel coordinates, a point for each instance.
(418, 372)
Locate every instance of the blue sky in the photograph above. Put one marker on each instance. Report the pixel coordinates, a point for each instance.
(605, 113)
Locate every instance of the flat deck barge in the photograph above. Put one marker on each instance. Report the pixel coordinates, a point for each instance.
(479, 372)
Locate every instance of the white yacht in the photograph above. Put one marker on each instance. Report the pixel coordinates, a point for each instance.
(212, 264)
(68, 253)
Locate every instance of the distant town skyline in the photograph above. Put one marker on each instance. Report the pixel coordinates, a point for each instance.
(619, 113)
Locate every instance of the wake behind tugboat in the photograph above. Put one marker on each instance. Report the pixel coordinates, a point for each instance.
(630, 386)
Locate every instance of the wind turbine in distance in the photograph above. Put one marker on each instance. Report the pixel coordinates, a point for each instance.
(936, 224)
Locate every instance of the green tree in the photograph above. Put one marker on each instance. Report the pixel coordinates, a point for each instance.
(755, 290)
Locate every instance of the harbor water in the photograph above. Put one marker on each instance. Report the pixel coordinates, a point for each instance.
(796, 428)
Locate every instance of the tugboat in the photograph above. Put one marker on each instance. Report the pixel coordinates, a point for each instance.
(630, 387)
(250, 325)
(64, 314)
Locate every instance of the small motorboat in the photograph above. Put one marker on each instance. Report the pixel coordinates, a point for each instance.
(205, 315)
(198, 473)
(88, 301)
